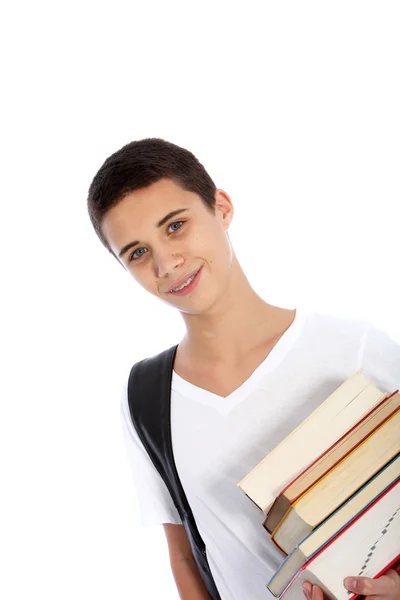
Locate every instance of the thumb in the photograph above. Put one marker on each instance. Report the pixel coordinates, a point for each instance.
(387, 585)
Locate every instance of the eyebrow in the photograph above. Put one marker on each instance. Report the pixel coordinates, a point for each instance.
(159, 224)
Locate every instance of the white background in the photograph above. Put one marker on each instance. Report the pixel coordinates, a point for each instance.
(293, 107)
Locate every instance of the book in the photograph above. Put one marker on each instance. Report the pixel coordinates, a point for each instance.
(338, 484)
(324, 426)
(329, 459)
(366, 547)
(342, 517)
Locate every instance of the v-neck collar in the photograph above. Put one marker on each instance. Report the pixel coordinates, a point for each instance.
(270, 362)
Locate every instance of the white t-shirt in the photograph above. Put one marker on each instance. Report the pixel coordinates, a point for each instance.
(217, 441)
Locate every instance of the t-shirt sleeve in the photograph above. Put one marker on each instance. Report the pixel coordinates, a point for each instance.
(380, 359)
(154, 500)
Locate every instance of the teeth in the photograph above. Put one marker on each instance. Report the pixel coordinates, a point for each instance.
(180, 287)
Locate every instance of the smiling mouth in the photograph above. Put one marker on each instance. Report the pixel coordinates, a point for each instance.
(185, 283)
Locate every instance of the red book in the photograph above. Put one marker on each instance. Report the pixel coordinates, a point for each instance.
(329, 459)
(367, 546)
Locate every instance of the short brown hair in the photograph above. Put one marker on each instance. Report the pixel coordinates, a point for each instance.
(139, 164)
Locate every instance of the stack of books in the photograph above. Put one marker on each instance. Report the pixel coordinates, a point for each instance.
(330, 492)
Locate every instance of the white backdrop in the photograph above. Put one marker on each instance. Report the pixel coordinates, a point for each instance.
(293, 107)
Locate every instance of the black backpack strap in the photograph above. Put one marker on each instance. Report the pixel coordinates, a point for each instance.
(149, 398)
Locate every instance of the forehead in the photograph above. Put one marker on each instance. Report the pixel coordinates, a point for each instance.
(143, 208)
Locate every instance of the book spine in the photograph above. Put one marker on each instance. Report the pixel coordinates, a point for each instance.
(278, 546)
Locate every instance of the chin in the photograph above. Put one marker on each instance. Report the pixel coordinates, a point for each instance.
(200, 307)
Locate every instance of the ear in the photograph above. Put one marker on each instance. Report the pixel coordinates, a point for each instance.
(223, 208)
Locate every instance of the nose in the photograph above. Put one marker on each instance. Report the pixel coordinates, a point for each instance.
(166, 263)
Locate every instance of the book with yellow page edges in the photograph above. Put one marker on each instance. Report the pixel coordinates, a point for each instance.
(338, 484)
(366, 547)
(331, 492)
(346, 406)
(329, 459)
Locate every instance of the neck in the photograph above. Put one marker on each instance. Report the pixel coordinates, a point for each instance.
(237, 322)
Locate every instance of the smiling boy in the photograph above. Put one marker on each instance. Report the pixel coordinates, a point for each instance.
(245, 374)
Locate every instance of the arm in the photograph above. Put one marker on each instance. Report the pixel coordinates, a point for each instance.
(186, 574)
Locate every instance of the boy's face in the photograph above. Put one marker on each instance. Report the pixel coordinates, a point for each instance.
(166, 252)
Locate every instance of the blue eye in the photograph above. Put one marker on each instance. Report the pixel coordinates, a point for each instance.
(180, 223)
(134, 256)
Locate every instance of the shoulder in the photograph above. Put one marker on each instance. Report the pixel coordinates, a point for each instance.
(335, 323)
(347, 325)
(152, 365)
(125, 411)
(337, 337)
(380, 358)
(145, 378)
(329, 331)
(373, 349)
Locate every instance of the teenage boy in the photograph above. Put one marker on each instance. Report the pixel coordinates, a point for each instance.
(245, 374)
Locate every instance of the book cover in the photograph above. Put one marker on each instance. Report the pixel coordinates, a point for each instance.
(329, 459)
(350, 402)
(336, 523)
(339, 484)
(365, 547)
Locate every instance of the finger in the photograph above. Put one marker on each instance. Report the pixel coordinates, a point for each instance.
(386, 585)
(317, 593)
(312, 592)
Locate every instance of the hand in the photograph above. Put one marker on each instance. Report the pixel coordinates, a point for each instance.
(386, 587)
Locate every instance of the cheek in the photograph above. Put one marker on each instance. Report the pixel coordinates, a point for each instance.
(219, 256)
(143, 279)
(213, 243)
(220, 247)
